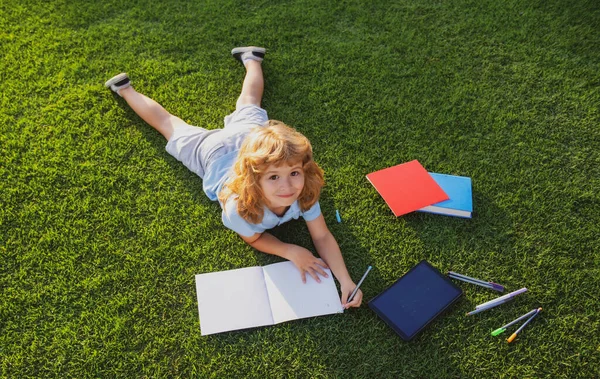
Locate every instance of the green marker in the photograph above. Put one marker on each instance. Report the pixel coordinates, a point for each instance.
(503, 329)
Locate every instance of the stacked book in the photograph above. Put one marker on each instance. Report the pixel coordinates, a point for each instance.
(408, 187)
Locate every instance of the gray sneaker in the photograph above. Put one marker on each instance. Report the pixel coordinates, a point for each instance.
(249, 52)
(118, 82)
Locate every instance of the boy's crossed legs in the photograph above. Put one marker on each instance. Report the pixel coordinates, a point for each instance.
(163, 121)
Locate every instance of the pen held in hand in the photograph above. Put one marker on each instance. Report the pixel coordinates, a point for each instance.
(358, 285)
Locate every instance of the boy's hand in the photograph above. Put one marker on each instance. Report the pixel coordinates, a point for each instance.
(307, 263)
(347, 288)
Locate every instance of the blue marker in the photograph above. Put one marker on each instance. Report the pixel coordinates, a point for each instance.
(337, 216)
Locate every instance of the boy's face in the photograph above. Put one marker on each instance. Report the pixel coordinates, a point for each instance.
(282, 186)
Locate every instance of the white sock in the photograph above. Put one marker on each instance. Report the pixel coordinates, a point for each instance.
(118, 91)
(248, 56)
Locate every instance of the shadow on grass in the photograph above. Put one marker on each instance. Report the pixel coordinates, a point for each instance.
(479, 245)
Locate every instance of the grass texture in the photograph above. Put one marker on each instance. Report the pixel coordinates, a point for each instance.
(102, 232)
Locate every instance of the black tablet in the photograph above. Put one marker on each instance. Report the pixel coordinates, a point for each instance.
(415, 300)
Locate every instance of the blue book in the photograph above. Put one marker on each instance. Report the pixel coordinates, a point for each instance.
(458, 189)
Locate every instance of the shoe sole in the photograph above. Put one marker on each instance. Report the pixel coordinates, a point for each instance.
(242, 50)
(239, 51)
(115, 79)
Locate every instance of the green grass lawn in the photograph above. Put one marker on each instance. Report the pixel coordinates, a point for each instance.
(102, 231)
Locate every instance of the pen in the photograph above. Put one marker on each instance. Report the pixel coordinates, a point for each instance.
(483, 284)
(507, 296)
(502, 329)
(514, 335)
(358, 285)
(489, 306)
(457, 275)
(492, 285)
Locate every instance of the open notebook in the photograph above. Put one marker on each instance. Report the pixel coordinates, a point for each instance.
(258, 296)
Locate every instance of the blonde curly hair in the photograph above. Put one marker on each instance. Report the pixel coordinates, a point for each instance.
(272, 144)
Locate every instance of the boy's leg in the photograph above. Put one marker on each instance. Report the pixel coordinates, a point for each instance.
(253, 86)
(149, 110)
(252, 89)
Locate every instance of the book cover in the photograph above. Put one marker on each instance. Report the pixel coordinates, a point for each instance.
(407, 187)
(459, 189)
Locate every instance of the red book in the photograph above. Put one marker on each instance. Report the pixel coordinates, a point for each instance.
(407, 187)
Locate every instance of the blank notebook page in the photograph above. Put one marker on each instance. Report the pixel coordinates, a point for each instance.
(232, 300)
(291, 299)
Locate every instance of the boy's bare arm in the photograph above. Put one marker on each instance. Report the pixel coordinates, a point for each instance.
(306, 262)
(329, 250)
(267, 243)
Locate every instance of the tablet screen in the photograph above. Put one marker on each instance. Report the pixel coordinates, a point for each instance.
(415, 299)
